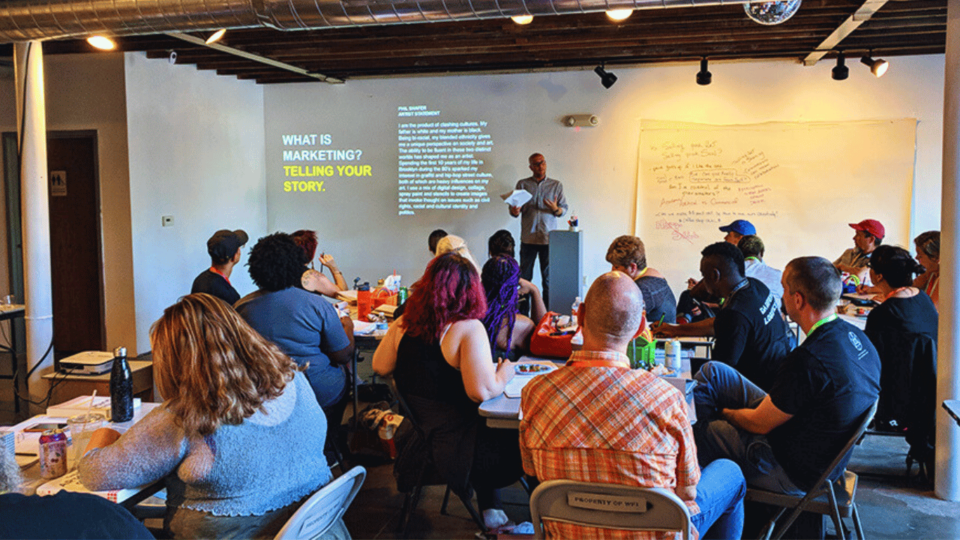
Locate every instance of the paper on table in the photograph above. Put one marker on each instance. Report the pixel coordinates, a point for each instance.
(515, 387)
(71, 482)
(362, 328)
(517, 197)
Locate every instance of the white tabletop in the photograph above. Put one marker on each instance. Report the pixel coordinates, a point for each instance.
(504, 412)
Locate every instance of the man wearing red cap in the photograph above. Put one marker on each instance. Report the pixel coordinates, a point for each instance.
(869, 235)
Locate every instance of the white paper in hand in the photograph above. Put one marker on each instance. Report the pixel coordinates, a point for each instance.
(518, 197)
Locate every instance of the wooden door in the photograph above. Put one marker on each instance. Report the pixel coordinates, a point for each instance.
(75, 252)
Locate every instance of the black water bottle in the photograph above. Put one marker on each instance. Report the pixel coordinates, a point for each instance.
(121, 387)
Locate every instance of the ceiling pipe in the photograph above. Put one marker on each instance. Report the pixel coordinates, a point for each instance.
(22, 20)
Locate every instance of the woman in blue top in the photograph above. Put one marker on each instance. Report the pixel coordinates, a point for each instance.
(239, 437)
(304, 325)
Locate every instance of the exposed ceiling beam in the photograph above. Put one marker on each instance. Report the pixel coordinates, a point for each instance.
(853, 22)
(256, 58)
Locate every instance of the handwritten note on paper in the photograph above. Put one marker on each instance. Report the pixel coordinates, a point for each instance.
(785, 178)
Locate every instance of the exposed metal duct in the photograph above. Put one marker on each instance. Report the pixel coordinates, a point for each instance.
(22, 20)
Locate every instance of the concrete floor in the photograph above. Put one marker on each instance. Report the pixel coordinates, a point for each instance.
(891, 505)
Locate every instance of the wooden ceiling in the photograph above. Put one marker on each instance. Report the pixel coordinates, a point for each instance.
(555, 42)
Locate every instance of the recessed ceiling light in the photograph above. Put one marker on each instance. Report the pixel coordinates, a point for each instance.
(215, 37)
(619, 14)
(102, 42)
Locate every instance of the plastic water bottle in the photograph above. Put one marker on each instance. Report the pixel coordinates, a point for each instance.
(121, 387)
(573, 311)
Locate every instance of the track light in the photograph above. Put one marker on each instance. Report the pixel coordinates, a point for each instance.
(878, 67)
(215, 37)
(619, 14)
(704, 77)
(840, 72)
(522, 19)
(102, 42)
(606, 78)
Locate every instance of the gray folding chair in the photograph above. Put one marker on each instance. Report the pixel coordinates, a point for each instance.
(608, 506)
(324, 508)
(834, 498)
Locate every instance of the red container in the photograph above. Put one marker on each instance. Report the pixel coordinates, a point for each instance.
(364, 304)
(53, 453)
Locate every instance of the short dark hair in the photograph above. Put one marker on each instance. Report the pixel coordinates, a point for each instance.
(276, 262)
(501, 243)
(725, 257)
(307, 240)
(895, 265)
(816, 279)
(435, 237)
(751, 246)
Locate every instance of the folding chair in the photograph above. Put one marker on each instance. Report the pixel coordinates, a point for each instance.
(834, 498)
(324, 508)
(608, 506)
(427, 475)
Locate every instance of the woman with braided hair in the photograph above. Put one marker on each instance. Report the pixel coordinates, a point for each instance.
(509, 331)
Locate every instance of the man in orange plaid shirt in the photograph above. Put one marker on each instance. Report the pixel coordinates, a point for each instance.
(597, 420)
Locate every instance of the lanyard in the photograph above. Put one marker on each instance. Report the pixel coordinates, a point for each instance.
(821, 322)
(742, 284)
(598, 363)
(752, 259)
(895, 291)
(215, 271)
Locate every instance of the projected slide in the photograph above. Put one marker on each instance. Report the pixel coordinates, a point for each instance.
(438, 167)
(374, 175)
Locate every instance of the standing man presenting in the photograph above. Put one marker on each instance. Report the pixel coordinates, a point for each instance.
(539, 218)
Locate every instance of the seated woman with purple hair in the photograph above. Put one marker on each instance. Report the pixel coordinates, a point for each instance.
(509, 331)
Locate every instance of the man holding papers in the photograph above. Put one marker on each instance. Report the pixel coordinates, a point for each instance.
(539, 217)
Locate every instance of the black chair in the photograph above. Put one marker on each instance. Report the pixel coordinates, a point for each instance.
(834, 493)
(908, 388)
(419, 452)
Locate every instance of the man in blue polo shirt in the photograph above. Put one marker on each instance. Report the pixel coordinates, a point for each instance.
(785, 439)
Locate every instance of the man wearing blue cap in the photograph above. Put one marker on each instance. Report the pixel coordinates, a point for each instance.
(737, 230)
(694, 303)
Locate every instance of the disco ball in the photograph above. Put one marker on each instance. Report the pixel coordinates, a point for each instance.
(770, 13)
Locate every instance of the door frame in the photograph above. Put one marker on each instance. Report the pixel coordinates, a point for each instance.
(14, 213)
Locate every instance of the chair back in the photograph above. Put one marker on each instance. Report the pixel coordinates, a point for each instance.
(839, 463)
(324, 508)
(608, 506)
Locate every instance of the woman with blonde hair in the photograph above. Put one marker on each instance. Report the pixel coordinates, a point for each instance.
(239, 438)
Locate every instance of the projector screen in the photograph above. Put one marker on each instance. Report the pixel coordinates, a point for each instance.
(374, 177)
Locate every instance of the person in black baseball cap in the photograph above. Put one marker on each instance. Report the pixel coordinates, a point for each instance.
(224, 249)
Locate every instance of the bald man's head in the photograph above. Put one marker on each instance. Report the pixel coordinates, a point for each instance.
(613, 308)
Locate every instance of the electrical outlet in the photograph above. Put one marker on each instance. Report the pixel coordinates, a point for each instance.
(167, 221)
(584, 279)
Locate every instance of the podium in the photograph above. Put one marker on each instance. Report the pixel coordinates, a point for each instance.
(566, 269)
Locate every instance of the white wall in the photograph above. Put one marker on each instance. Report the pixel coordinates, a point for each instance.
(196, 153)
(598, 166)
(86, 92)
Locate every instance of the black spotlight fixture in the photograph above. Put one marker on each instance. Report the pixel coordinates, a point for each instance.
(877, 66)
(704, 77)
(606, 78)
(840, 71)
